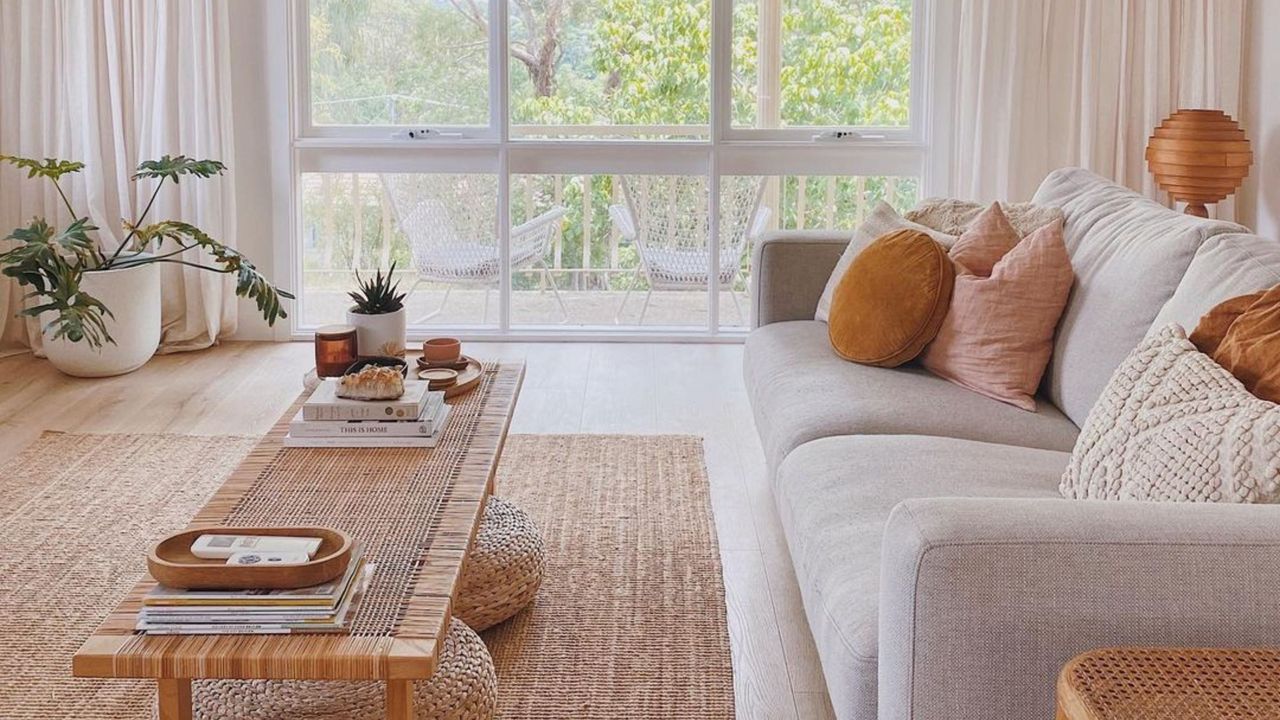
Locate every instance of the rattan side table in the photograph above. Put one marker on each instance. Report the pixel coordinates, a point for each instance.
(1134, 683)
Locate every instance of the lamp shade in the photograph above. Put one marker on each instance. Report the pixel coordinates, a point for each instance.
(1199, 157)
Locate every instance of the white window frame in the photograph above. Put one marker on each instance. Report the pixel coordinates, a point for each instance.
(724, 151)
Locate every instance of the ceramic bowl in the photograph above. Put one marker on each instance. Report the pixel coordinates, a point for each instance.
(441, 350)
(379, 361)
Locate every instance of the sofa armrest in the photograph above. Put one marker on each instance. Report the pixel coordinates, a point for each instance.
(791, 269)
(982, 601)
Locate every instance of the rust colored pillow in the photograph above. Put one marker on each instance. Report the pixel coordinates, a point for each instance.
(1213, 327)
(1250, 350)
(892, 299)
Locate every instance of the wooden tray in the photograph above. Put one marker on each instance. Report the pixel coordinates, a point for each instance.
(172, 564)
(460, 364)
(468, 377)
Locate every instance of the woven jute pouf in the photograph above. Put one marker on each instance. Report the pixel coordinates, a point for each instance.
(464, 687)
(504, 568)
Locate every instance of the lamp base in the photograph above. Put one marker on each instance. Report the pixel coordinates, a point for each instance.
(1196, 208)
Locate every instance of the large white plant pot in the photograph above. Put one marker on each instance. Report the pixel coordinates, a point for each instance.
(379, 334)
(133, 297)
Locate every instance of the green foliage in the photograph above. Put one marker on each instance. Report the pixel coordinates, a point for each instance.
(377, 296)
(53, 262)
(50, 262)
(50, 168)
(250, 283)
(643, 62)
(173, 167)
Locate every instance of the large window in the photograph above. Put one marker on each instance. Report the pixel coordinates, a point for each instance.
(558, 167)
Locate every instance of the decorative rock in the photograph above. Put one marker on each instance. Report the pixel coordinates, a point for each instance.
(372, 383)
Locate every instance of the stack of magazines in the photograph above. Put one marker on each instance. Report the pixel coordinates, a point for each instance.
(415, 419)
(326, 608)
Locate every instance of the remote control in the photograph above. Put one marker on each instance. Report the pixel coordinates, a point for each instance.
(268, 558)
(221, 547)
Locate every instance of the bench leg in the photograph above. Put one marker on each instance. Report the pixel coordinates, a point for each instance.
(175, 699)
(399, 700)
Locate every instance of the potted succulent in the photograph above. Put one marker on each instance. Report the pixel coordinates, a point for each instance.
(99, 306)
(378, 315)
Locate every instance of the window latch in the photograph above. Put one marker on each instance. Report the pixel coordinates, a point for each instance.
(424, 134)
(843, 135)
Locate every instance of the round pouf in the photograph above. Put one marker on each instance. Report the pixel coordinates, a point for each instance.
(503, 569)
(464, 687)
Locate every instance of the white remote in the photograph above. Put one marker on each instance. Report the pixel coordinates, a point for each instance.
(221, 547)
(268, 558)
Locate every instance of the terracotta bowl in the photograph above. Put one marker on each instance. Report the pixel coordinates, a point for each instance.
(441, 350)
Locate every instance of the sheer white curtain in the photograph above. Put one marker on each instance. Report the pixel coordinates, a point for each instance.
(1036, 85)
(111, 83)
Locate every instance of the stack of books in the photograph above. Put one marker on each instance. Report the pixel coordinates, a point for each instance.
(326, 608)
(415, 419)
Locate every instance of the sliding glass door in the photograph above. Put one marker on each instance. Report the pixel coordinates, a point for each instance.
(576, 167)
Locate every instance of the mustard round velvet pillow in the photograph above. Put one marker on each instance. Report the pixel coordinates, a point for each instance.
(891, 301)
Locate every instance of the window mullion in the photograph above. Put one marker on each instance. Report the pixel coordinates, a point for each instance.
(499, 91)
(721, 115)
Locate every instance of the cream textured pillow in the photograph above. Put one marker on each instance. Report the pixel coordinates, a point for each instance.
(1173, 425)
(882, 220)
(954, 216)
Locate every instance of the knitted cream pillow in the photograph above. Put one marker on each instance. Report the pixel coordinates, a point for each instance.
(1173, 425)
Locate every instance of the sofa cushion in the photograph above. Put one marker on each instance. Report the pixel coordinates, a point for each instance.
(1129, 254)
(1226, 266)
(800, 390)
(1175, 426)
(834, 496)
(891, 300)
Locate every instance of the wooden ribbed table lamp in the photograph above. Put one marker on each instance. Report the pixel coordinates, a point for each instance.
(1199, 157)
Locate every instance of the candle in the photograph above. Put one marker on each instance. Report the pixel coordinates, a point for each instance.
(335, 350)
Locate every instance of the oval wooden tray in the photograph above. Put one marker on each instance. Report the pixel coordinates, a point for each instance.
(172, 564)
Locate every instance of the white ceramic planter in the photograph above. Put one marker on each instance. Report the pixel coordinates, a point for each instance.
(379, 334)
(133, 296)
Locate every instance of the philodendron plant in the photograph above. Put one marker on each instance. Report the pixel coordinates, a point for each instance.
(53, 261)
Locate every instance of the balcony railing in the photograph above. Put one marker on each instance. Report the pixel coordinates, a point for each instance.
(349, 224)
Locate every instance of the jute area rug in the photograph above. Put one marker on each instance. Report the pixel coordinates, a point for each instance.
(630, 621)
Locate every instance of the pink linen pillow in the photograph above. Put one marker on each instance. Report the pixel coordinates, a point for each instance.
(998, 337)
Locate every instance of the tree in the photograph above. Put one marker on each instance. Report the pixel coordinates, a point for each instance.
(535, 39)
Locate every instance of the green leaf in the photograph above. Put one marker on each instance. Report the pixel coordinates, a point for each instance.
(172, 167)
(250, 283)
(379, 295)
(51, 168)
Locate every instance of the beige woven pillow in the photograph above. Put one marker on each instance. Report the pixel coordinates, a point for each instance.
(953, 216)
(1173, 425)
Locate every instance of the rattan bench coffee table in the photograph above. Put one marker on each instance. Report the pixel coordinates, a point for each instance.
(416, 511)
(1135, 683)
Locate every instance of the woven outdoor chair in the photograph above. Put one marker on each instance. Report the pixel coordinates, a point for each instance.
(666, 217)
(449, 222)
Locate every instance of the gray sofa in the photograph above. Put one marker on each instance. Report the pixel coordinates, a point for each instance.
(942, 574)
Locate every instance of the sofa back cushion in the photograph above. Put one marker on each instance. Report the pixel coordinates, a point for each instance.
(1226, 266)
(1129, 254)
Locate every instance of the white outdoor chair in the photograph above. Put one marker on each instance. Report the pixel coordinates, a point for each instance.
(449, 223)
(667, 218)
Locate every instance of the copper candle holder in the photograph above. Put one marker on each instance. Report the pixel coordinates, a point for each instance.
(335, 350)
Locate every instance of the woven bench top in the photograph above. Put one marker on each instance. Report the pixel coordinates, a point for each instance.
(1171, 684)
(416, 510)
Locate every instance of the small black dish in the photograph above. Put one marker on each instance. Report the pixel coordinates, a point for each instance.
(380, 361)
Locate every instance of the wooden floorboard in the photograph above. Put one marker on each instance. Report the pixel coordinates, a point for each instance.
(241, 388)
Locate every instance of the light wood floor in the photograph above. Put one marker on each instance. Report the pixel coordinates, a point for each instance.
(241, 388)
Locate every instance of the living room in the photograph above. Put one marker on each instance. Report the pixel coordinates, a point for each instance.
(776, 359)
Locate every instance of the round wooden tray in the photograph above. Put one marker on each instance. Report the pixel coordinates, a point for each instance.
(172, 564)
(468, 376)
